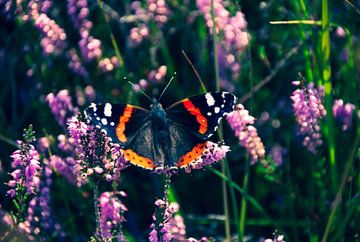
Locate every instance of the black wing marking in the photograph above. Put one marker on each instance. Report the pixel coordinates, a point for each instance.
(121, 122)
(202, 114)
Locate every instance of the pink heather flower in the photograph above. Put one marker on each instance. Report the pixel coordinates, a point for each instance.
(232, 29)
(26, 162)
(54, 37)
(343, 113)
(138, 34)
(111, 213)
(276, 153)
(108, 64)
(90, 48)
(94, 152)
(39, 221)
(158, 76)
(159, 11)
(212, 154)
(308, 109)
(241, 123)
(75, 64)
(61, 106)
(90, 92)
(43, 144)
(340, 32)
(164, 222)
(66, 167)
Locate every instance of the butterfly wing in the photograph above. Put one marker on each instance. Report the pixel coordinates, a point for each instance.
(185, 147)
(201, 114)
(128, 126)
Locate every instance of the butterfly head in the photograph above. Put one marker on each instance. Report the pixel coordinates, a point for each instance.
(155, 104)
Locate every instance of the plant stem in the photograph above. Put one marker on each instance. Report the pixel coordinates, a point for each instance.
(244, 200)
(326, 78)
(112, 37)
(97, 211)
(338, 199)
(223, 165)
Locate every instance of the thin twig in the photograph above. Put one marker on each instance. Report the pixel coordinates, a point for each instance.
(268, 78)
(353, 6)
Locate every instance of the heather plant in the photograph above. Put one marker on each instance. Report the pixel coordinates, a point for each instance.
(282, 166)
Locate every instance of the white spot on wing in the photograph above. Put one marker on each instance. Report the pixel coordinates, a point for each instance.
(209, 99)
(217, 110)
(112, 123)
(104, 121)
(107, 110)
(98, 118)
(222, 105)
(209, 113)
(93, 106)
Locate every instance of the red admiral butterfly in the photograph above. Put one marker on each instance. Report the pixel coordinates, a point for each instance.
(159, 138)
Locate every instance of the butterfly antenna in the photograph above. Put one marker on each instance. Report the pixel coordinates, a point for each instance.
(141, 91)
(167, 86)
(195, 71)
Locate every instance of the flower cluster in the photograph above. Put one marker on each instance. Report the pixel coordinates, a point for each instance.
(111, 214)
(61, 106)
(26, 162)
(108, 64)
(242, 123)
(138, 34)
(53, 41)
(164, 223)
(343, 113)
(308, 109)
(66, 167)
(53, 36)
(159, 11)
(158, 76)
(233, 30)
(75, 64)
(276, 153)
(90, 47)
(212, 154)
(95, 154)
(39, 221)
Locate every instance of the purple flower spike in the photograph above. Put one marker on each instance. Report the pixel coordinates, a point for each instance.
(61, 106)
(343, 113)
(26, 162)
(242, 124)
(308, 109)
(111, 213)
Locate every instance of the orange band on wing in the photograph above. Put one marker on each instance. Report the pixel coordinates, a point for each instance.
(197, 113)
(124, 118)
(138, 160)
(192, 155)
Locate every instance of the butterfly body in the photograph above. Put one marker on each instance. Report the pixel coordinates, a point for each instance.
(161, 138)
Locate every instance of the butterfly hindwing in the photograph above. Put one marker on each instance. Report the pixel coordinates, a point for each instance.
(202, 114)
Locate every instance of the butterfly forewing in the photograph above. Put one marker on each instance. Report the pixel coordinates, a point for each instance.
(115, 120)
(202, 114)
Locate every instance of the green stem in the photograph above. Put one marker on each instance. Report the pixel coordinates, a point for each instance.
(112, 37)
(338, 198)
(326, 78)
(223, 165)
(97, 211)
(244, 200)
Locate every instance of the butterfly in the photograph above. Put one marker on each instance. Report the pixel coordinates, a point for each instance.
(159, 138)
